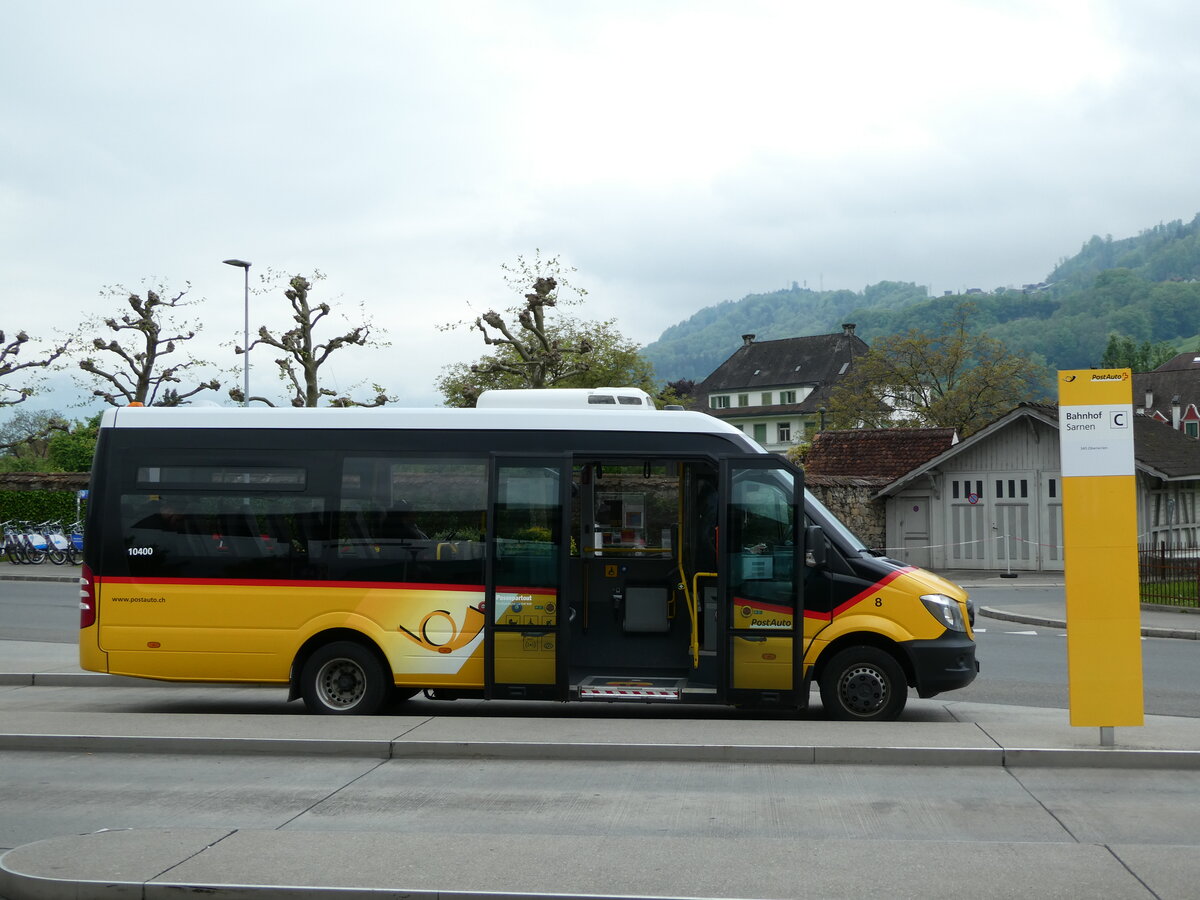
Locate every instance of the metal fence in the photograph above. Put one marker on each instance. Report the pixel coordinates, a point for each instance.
(1169, 576)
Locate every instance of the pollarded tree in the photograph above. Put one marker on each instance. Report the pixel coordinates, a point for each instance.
(612, 360)
(133, 365)
(11, 364)
(534, 351)
(954, 379)
(304, 355)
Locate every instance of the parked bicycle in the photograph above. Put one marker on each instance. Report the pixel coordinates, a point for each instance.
(14, 547)
(33, 545)
(58, 545)
(75, 537)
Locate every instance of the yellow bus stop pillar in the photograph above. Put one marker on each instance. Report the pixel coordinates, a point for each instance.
(1104, 646)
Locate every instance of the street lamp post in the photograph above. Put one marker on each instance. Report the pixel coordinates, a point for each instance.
(245, 267)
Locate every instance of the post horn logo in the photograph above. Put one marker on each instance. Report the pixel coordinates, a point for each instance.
(472, 625)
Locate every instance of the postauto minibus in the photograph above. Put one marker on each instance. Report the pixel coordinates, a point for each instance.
(556, 545)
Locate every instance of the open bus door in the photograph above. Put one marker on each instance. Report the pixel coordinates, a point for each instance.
(528, 539)
(761, 542)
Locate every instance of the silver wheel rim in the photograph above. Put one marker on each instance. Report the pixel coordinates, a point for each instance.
(863, 690)
(341, 683)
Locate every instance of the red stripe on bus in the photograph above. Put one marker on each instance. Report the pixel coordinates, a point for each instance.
(863, 595)
(765, 607)
(361, 585)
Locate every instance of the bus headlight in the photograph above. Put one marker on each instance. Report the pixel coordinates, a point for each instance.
(946, 610)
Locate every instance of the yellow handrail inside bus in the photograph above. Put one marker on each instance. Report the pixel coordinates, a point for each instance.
(693, 604)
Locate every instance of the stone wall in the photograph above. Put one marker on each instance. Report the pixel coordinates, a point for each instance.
(43, 481)
(851, 499)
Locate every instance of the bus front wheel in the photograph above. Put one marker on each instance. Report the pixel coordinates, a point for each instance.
(344, 679)
(863, 684)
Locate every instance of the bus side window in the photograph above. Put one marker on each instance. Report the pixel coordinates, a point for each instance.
(411, 518)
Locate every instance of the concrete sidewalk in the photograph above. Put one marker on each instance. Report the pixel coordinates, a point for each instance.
(336, 862)
(47, 704)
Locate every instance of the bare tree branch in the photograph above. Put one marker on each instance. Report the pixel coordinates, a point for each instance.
(303, 356)
(10, 364)
(139, 374)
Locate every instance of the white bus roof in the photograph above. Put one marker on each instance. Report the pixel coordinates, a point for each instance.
(589, 418)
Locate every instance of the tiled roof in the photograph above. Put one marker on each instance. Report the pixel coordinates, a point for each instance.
(758, 365)
(1178, 377)
(1167, 451)
(875, 453)
(1184, 362)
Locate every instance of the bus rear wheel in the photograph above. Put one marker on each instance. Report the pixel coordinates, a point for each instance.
(863, 684)
(344, 679)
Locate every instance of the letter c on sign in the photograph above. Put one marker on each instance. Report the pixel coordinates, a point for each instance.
(1119, 420)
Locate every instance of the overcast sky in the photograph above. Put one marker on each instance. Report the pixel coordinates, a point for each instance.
(678, 154)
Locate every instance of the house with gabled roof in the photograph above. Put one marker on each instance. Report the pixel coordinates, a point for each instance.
(777, 391)
(994, 499)
(1171, 393)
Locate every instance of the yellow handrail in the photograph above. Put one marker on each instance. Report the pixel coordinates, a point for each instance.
(692, 608)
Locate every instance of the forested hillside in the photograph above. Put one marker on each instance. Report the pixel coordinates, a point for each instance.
(1145, 288)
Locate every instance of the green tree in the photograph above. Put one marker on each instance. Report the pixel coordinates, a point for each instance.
(956, 378)
(532, 351)
(11, 364)
(303, 354)
(71, 449)
(1123, 352)
(133, 366)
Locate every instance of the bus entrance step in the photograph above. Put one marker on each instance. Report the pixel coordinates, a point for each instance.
(604, 687)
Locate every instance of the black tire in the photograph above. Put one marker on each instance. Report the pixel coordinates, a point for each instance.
(863, 684)
(344, 679)
(34, 556)
(58, 557)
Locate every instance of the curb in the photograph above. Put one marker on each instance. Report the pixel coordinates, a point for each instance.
(72, 679)
(1186, 634)
(1015, 757)
(68, 579)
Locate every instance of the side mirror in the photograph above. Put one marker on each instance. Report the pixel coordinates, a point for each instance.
(815, 546)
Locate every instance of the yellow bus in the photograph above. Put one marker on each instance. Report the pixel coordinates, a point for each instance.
(554, 545)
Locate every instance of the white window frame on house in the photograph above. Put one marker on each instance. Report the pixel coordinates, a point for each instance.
(783, 432)
(719, 401)
(787, 396)
(743, 399)
(766, 398)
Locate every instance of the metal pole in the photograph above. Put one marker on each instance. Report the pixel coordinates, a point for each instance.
(245, 267)
(246, 332)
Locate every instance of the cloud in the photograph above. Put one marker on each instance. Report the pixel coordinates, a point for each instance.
(677, 153)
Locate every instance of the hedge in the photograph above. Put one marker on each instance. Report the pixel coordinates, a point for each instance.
(39, 506)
